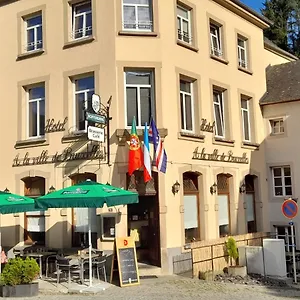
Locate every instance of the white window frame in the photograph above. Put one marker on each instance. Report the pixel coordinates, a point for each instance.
(217, 36)
(75, 15)
(247, 112)
(286, 236)
(137, 22)
(220, 105)
(281, 125)
(181, 35)
(36, 42)
(191, 94)
(85, 91)
(138, 87)
(105, 215)
(38, 100)
(242, 63)
(283, 185)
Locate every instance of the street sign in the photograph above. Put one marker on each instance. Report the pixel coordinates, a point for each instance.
(96, 134)
(95, 118)
(289, 209)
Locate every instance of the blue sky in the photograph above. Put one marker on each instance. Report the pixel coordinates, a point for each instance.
(255, 4)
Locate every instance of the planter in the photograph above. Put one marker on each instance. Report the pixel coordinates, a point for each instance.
(237, 271)
(22, 290)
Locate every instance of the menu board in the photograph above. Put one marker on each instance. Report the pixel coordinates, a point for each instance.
(127, 262)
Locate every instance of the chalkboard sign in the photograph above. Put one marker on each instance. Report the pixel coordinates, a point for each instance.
(127, 262)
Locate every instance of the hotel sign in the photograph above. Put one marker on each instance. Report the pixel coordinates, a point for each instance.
(221, 157)
(207, 126)
(66, 155)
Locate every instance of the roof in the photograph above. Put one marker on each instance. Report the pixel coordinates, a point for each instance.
(252, 11)
(270, 45)
(283, 83)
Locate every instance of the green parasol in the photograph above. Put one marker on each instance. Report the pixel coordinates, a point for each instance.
(87, 194)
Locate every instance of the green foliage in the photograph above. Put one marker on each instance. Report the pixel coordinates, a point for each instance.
(232, 248)
(20, 271)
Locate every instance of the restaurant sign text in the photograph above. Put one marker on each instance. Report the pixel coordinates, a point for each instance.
(216, 155)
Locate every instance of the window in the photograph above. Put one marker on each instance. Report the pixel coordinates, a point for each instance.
(82, 20)
(285, 233)
(250, 204)
(137, 15)
(215, 40)
(242, 52)
(186, 105)
(184, 24)
(34, 33)
(277, 126)
(84, 89)
(219, 113)
(246, 119)
(108, 226)
(282, 181)
(36, 111)
(139, 96)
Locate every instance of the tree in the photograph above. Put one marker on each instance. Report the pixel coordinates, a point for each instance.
(285, 31)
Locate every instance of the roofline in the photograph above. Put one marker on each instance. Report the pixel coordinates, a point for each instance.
(278, 50)
(245, 12)
(281, 102)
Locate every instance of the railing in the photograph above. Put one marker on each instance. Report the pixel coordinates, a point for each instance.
(216, 52)
(184, 36)
(81, 32)
(141, 25)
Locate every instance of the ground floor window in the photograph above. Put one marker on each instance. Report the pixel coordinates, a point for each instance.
(285, 233)
(250, 204)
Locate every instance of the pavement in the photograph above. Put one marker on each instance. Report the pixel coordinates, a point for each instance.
(171, 288)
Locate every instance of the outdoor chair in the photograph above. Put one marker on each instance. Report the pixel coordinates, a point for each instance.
(63, 265)
(98, 265)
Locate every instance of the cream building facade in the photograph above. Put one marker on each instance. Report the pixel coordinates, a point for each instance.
(197, 67)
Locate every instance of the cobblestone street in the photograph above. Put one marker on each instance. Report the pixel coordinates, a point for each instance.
(175, 287)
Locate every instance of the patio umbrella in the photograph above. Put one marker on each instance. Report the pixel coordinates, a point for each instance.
(87, 194)
(12, 203)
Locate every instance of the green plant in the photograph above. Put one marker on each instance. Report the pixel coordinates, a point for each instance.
(20, 271)
(232, 249)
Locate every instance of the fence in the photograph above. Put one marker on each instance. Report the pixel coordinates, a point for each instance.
(211, 255)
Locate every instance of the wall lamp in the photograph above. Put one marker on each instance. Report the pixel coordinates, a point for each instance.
(51, 189)
(213, 188)
(175, 187)
(6, 190)
(243, 188)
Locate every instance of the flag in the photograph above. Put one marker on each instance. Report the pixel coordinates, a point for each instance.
(159, 151)
(147, 158)
(135, 160)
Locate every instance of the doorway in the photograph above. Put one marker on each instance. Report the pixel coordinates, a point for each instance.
(143, 224)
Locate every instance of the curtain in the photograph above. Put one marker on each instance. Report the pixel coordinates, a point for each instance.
(223, 210)
(83, 218)
(190, 211)
(36, 224)
(250, 207)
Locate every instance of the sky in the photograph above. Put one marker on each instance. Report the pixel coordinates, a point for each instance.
(255, 4)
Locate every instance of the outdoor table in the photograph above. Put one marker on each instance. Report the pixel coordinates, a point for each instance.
(38, 255)
(82, 258)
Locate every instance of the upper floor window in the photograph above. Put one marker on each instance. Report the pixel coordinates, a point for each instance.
(184, 24)
(242, 52)
(82, 20)
(139, 96)
(215, 40)
(36, 111)
(219, 113)
(282, 181)
(187, 105)
(34, 32)
(277, 126)
(245, 110)
(137, 15)
(84, 89)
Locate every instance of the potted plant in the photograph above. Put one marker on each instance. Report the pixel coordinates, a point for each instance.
(17, 278)
(233, 253)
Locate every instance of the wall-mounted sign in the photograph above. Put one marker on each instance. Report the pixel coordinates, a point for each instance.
(96, 134)
(222, 157)
(95, 118)
(96, 101)
(90, 153)
(52, 126)
(207, 126)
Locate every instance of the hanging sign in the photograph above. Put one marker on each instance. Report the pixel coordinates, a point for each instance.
(289, 208)
(96, 134)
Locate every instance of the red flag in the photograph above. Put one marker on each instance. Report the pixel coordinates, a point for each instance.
(135, 160)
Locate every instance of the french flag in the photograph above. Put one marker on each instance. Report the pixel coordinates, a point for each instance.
(160, 152)
(147, 158)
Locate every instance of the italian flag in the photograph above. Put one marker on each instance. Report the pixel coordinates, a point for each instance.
(135, 160)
